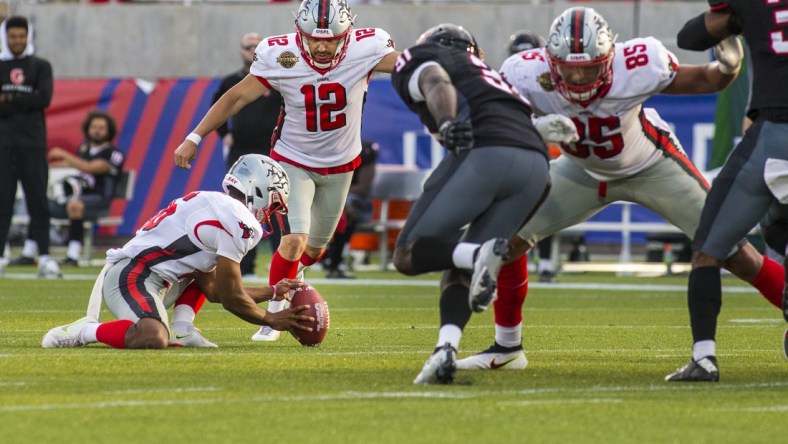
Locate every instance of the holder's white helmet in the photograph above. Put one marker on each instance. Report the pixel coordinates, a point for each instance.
(580, 39)
(264, 183)
(324, 20)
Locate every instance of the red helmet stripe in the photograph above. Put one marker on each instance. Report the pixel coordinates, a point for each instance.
(578, 17)
(323, 10)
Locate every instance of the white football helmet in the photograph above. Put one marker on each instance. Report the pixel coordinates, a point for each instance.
(580, 53)
(264, 183)
(324, 20)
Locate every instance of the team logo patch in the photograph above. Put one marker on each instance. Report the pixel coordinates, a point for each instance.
(545, 82)
(247, 232)
(17, 76)
(287, 59)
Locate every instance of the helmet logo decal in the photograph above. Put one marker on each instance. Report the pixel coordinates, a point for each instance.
(287, 59)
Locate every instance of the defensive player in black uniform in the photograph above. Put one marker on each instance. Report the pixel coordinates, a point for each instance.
(88, 194)
(25, 91)
(492, 180)
(740, 195)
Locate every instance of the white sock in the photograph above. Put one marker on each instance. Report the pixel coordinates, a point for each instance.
(462, 256)
(30, 249)
(44, 258)
(182, 314)
(545, 265)
(88, 332)
(449, 333)
(275, 306)
(74, 249)
(509, 336)
(701, 349)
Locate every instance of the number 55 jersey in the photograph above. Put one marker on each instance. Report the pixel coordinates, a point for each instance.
(618, 137)
(322, 115)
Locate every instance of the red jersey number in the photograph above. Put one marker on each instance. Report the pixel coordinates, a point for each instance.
(601, 138)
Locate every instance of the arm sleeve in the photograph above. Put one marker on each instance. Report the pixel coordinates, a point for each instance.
(694, 36)
(223, 128)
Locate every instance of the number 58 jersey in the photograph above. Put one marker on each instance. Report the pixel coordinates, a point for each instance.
(618, 137)
(322, 122)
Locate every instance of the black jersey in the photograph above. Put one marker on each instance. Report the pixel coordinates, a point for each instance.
(499, 115)
(26, 86)
(99, 183)
(767, 38)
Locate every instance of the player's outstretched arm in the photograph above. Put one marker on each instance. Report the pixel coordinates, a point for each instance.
(236, 300)
(276, 292)
(386, 64)
(705, 30)
(711, 77)
(227, 106)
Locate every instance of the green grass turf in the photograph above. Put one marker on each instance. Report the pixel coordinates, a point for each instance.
(597, 360)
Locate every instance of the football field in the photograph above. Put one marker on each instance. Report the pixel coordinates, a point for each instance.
(598, 348)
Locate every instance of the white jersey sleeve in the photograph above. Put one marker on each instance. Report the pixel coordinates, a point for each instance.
(647, 66)
(190, 233)
(322, 124)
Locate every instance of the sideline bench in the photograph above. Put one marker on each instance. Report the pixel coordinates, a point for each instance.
(124, 189)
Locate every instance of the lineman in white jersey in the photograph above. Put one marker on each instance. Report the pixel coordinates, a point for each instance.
(199, 237)
(614, 149)
(322, 71)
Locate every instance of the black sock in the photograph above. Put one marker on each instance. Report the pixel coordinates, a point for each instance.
(704, 299)
(77, 230)
(432, 254)
(454, 306)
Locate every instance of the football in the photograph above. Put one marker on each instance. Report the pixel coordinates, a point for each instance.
(318, 309)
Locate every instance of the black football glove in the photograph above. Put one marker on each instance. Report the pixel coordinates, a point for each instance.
(456, 135)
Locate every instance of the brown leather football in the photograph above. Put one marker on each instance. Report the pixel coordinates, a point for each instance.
(318, 309)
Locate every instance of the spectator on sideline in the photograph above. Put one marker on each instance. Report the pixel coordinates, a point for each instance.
(358, 210)
(25, 91)
(250, 131)
(87, 195)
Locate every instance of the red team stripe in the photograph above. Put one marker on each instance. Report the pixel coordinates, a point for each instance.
(166, 166)
(132, 283)
(324, 5)
(663, 142)
(577, 31)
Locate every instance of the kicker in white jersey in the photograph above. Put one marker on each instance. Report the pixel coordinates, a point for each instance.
(617, 136)
(322, 124)
(190, 233)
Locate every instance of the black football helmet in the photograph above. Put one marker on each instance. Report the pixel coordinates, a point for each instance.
(448, 34)
(523, 40)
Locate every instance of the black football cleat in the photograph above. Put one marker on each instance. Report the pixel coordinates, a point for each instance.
(702, 370)
(785, 344)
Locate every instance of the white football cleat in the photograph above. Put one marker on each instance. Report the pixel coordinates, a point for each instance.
(489, 259)
(266, 334)
(66, 336)
(440, 367)
(191, 338)
(49, 269)
(496, 357)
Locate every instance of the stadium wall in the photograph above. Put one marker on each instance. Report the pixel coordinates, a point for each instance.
(171, 40)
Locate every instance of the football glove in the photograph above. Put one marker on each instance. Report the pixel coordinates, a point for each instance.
(456, 135)
(556, 128)
(729, 53)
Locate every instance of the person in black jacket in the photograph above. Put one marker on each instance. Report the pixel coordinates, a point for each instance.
(251, 130)
(25, 91)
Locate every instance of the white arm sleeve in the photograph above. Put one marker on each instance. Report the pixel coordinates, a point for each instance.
(413, 83)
